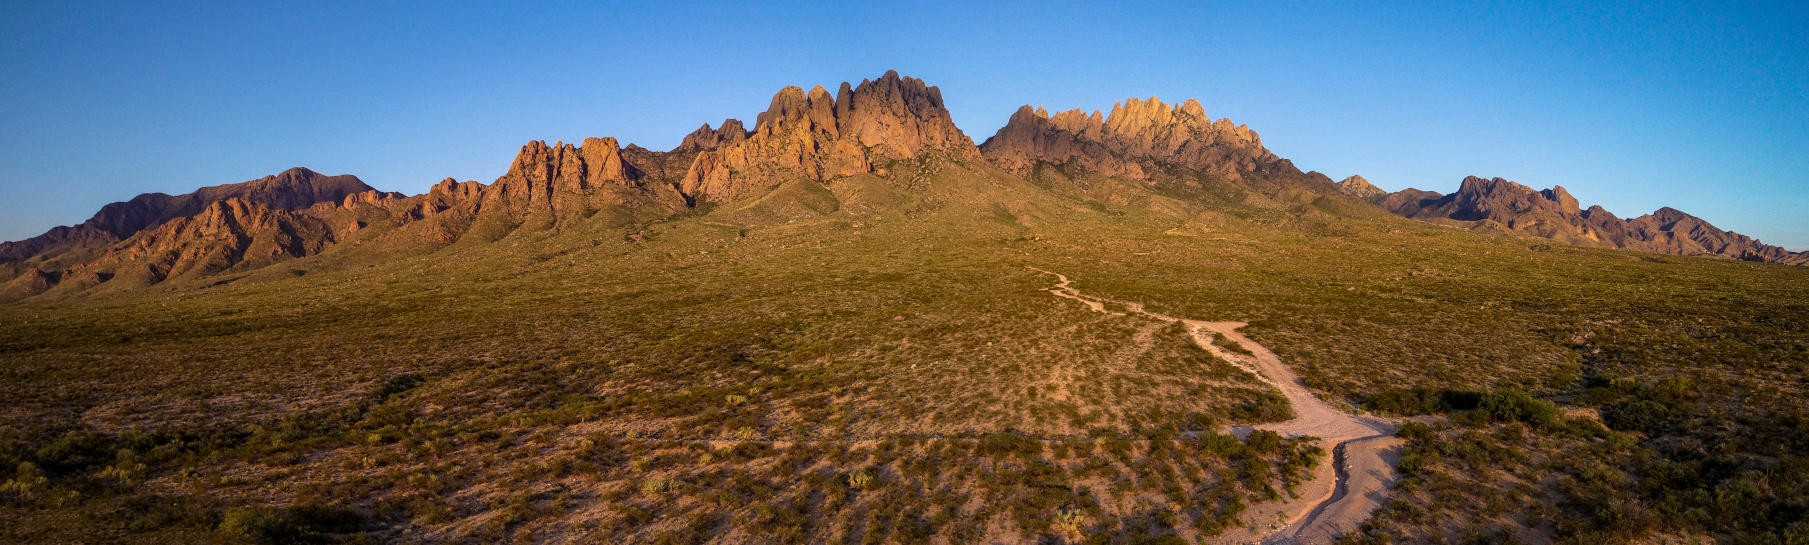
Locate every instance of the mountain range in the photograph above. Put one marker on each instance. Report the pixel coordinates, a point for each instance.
(812, 136)
(1498, 205)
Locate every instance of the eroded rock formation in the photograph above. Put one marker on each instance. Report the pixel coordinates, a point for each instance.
(1137, 139)
(815, 136)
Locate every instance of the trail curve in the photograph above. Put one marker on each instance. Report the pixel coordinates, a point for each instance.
(1340, 494)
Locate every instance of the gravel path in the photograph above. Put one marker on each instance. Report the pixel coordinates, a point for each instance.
(1341, 494)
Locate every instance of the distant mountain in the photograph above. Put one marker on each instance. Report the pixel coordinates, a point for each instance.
(1498, 204)
(155, 235)
(1360, 188)
(298, 213)
(292, 189)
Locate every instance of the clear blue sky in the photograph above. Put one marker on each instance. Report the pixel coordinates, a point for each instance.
(1698, 106)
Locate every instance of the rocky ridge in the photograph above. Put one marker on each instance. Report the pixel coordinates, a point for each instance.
(1498, 204)
(1136, 140)
(299, 213)
(291, 189)
(815, 136)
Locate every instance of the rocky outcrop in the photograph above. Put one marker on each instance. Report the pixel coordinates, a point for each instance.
(1495, 203)
(1072, 137)
(559, 176)
(558, 184)
(706, 138)
(1136, 140)
(1361, 189)
(816, 136)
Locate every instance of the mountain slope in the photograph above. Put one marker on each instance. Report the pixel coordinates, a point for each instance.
(299, 213)
(1498, 204)
(108, 245)
(1360, 188)
(292, 189)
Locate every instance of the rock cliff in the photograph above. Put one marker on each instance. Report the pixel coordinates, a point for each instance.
(816, 136)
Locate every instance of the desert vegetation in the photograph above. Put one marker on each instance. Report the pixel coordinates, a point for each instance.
(878, 374)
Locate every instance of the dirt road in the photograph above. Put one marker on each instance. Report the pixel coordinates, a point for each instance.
(1341, 494)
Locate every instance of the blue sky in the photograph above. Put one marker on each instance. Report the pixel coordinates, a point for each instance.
(1700, 106)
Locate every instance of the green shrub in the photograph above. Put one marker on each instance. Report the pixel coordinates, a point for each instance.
(1644, 415)
(1512, 405)
(300, 524)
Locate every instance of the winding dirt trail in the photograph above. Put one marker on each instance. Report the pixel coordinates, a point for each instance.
(1341, 494)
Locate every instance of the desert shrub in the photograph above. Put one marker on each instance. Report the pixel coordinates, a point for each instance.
(1512, 405)
(1399, 401)
(1417, 401)
(1195, 421)
(1223, 446)
(300, 524)
(1642, 415)
(1264, 441)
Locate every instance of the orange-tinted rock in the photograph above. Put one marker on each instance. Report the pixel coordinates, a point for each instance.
(1138, 137)
(810, 134)
(706, 138)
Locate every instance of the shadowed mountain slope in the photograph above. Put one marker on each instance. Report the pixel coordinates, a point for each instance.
(1500, 205)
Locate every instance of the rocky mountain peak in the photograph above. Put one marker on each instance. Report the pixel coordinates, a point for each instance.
(1506, 202)
(563, 167)
(811, 134)
(1596, 211)
(1558, 195)
(1137, 136)
(1668, 215)
(1360, 188)
(706, 138)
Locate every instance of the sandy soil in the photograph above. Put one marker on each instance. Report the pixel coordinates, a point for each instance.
(1342, 493)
